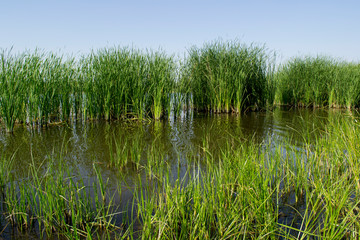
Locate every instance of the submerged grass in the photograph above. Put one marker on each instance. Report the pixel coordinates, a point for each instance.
(244, 190)
(56, 202)
(258, 192)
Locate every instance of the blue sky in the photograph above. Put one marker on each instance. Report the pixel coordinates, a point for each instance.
(291, 28)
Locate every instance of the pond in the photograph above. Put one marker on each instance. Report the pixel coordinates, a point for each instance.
(119, 150)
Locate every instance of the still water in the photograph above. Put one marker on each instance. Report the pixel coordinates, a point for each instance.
(81, 145)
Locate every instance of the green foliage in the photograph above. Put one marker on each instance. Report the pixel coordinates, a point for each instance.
(122, 82)
(228, 76)
(247, 191)
(36, 88)
(319, 82)
(58, 202)
(41, 88)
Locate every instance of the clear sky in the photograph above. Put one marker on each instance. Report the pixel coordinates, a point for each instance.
(291, 28)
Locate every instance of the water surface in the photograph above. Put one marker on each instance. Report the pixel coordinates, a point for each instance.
(83, 145)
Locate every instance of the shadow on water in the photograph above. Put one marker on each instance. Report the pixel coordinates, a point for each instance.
(85, 144)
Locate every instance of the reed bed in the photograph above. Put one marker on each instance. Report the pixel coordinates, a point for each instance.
(319, 82)
(240, 190)
(39, 88)
(127, 83)
(228, 76)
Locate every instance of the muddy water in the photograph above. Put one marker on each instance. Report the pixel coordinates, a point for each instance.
(82, 145)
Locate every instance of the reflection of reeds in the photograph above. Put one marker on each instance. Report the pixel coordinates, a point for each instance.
(256, 191)
(125, 153)
(247, 190)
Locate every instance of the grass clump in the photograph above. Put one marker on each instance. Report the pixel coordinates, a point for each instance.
(319, 82)
(36, 88)
(122, 82)
(256, 191)
(232, 199)
(56, 202)
(39, 88)
(227, 76)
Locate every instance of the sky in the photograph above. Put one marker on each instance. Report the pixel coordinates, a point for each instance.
(288, 28)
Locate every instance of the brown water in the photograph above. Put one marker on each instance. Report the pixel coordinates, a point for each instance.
(83, 144)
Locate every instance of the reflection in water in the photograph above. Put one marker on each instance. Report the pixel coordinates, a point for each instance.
(83, 144)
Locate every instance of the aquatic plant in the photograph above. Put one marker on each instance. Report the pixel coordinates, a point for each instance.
(241, 189)
(36, 88)
(58, 202)
(11, 89)
(256, 191)
(227, 76)
(319, 81)
(122, 82)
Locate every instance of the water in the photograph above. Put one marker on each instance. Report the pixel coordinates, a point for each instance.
(82, 145)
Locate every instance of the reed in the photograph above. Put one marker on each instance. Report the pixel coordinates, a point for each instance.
(6, 164)
(244, 189)
(247, 191)
(11, 87)
(319, 82)
(347, 87)
(122, 82)
(221, 204)
(38, 88)
(57, 202)
(161, 83)
(227, 76)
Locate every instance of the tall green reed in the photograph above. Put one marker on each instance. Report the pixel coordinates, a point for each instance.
(319, 81)
(122, 82)
(228, 76)
(39, 88)
(53, 200)
(12, 99)
(36, 88)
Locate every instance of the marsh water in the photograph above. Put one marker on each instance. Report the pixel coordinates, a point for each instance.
(83, 145)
